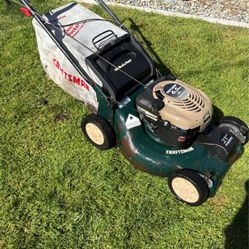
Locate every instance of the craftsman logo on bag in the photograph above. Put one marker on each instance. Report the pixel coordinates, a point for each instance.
(69, 77)
(73, 30)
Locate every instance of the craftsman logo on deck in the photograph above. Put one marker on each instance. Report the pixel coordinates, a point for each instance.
(73, 30)
(69, 77)
(178, 152)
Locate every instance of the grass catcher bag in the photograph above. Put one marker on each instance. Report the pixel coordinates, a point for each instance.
(76, 26)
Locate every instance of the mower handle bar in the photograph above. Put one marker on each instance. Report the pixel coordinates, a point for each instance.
(109, 11)
(27, 4)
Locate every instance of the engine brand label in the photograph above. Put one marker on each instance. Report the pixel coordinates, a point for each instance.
(179, 152)
(69, 77)
(176, 91)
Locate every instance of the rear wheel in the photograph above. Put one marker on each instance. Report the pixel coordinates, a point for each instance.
(235, 125)
(189, 187)
(98, 132)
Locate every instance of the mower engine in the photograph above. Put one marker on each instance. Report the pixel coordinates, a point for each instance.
(174, 113)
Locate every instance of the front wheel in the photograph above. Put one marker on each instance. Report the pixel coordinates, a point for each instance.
(189, 187)
(98, 132)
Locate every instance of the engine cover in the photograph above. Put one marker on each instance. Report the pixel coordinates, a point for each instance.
(174, 113)
(184, 106)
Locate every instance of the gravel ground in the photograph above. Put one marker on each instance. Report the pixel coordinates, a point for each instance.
(235, 10)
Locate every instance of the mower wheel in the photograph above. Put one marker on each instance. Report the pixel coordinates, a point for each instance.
(235, 125)
(98, 132)
(189, 187)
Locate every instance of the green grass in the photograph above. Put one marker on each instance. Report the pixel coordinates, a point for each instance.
(58, 191)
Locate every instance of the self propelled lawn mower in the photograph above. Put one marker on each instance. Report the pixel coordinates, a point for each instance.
(162, 125)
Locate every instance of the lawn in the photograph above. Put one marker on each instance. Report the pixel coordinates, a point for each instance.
(58, 191)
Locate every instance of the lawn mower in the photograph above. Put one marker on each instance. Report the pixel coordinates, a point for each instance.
(162, 125)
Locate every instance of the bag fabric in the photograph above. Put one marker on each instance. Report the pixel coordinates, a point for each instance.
(57, 66)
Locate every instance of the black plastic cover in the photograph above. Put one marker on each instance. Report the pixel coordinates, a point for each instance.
(125, 56)
(220, 143)
(145, 100)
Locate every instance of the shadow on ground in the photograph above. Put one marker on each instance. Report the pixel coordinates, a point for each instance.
(237, 232)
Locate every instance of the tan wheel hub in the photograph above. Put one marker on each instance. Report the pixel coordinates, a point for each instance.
(185, 190)
(95, 134)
